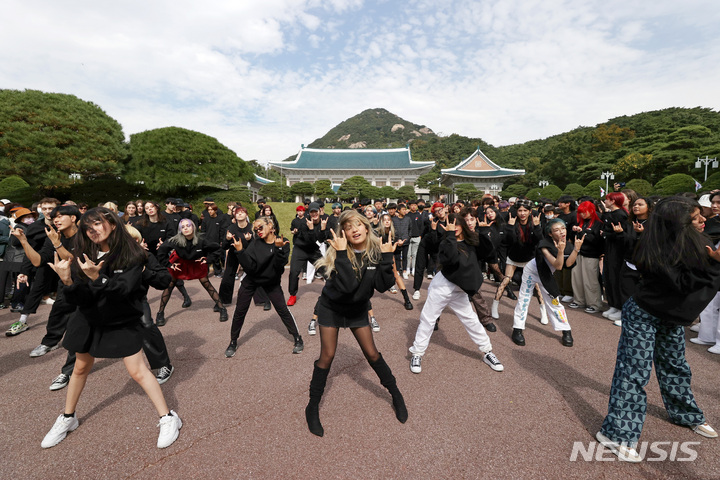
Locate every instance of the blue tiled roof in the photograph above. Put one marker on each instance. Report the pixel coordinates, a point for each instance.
(262, 180)
(493, 170)
(352, 159)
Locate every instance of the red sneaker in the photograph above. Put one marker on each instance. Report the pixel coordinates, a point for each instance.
(292, 300)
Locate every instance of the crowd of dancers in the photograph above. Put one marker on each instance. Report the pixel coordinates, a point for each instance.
(649, 265)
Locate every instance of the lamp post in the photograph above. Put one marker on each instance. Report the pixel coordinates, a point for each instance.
(543, 183)
(493, 189)
(607, 176)
(706, 161)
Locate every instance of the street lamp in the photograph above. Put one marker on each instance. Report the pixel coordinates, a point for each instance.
(706, 161)
(543, 183)
(607, 176)
(494, 189)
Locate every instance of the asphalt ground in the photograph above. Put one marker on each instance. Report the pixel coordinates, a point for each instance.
(244, 416)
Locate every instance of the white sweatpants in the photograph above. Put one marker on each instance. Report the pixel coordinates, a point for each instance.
(443, 293)
(557, 314)
(709, 324)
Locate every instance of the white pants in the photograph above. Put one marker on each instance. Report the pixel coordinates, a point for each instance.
(443, 293)
(709, 324)
(530, 278)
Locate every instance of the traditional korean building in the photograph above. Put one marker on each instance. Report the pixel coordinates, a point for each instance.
(381, 167)
(480, 171)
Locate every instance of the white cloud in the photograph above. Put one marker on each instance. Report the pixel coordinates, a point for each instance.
(264, 77)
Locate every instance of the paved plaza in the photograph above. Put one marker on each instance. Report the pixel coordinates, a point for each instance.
(243, 417)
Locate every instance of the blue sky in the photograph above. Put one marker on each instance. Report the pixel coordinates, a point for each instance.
(266, 76)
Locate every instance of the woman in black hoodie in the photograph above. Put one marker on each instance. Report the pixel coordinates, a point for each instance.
(263, 261)
(355, 265)
(680, 276)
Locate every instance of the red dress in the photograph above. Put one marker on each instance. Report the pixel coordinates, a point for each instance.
(189, 269)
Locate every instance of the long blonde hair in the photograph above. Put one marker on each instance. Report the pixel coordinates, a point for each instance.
(370, 254)
(383, 231)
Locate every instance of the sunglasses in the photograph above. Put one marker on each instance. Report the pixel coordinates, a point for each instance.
(257, 229)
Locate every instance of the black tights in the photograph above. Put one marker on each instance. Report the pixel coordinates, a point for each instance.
(328, 345)
(203, 281)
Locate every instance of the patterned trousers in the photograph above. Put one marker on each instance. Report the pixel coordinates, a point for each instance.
(646, 339)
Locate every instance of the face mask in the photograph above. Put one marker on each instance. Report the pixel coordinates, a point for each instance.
(27, 220)
(421, 207)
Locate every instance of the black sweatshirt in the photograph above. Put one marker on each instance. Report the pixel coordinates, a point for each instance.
(518, 250)
(460, 263)
(204, 248)
(263, 263)
(347, 293)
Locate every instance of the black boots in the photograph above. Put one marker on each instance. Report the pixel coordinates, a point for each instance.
(160, 319)
(510, 293)
(317, 387)
(408, 304)
(567, 339)
(223, 313)
(517, 337)
(387, 380)
(187, 301)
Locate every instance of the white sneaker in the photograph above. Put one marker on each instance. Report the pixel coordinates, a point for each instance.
(304, 276)
(170, 426)
(405, 275)
(416, 295)
(566, 299)
(618, 323)
(415, 364)
(59, 431)
(615, 316)
(48, 301)
(715, 349)
(705, 430)
(312, 329)
(623, 452)
(393, 290)
(60, 382)
(697, 341)
(493, 361)
(41, 350)
(543, 315)
(494, 310)
(374, 324)
(609, 312)
(695, 328)
(430, 275)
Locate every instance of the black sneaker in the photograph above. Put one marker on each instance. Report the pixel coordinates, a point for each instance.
(299, 346)
(165, 373)
(217, 308)
(567, 339)
(187, 302)
(267, 306)
(510, 294)
(490, 327)
(160, 319)
(223, 314)
(231, 349)
(437, 325)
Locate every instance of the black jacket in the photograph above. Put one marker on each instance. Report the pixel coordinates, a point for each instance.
(460, 263)
(263, 263)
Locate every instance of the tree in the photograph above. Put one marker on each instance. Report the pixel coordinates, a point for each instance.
(350, 188)
(172, 158)
(388, 192)
(534, 194)
(610, 137)
(406, 191)
(370, 192)
(636, 165)
(467, 191)
(16, 189)
(426, 180)
(53, 140)
(592, 189)
(323, 189)
(303, 189)
(514, 191)
(676, 183)
(641, 187)
(437, 190)
(711, 183)
(552, 192)
(574, 190)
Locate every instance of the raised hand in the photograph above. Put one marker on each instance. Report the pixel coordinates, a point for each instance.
(560, 244)
(638, 227)
(53, 235)
(450, 227)
(143, 244)
(176, 266)
(714, 254)
(577, 228)
(61, 267)
(433, 224)
(617, 228)
(338, 243)
(579, 241)
(485, 223)
(323, 223)
(511, 219)
(388, 247)
(536, 220)
(90, 268)
(19, 233)
(228, 235)
(237, 244)
(202, 260)
(281, 242)
(248, 236)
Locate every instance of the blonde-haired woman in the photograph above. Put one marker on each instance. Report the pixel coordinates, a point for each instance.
(355, 265)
